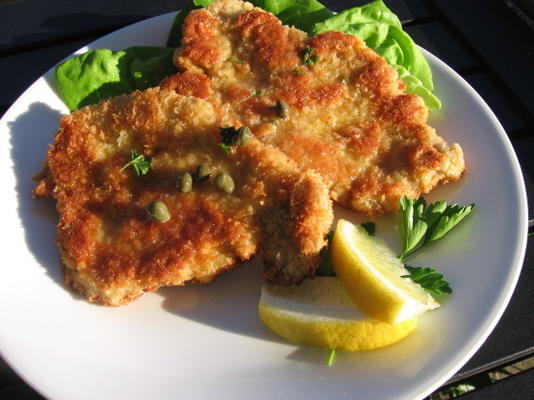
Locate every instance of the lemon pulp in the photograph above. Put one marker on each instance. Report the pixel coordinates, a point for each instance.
(372, 276)
(320, 313)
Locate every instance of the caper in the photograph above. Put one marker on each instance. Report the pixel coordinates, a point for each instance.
(243, 135)
(282, 109)
(225, 182)
(236, 136)
(185, 183)
(202, 173)
(158, 210)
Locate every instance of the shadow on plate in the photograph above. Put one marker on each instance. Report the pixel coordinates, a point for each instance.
(229, 303)
(31, 133)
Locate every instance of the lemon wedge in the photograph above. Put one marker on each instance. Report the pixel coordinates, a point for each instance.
(372, 276)
(320, 313)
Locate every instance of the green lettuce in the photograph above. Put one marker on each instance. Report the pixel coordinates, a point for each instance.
(150, 65)
(303, 14)
(415, 85)
(202, 3)
(174, 38)
(102, 73)
(382, 31)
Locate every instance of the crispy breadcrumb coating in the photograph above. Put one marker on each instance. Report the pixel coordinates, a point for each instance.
(113, 251)
(350, 118)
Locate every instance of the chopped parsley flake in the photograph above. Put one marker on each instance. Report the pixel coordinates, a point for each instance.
(139, 162)
(308, 58)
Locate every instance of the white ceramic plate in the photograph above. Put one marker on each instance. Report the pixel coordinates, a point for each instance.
(207, 341)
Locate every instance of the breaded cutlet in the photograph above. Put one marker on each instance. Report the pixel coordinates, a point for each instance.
(113, 250)
(346, 114)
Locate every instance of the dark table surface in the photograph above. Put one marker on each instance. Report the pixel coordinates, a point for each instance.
(488, 42)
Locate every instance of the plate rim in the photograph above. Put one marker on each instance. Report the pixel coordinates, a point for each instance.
(520, 248)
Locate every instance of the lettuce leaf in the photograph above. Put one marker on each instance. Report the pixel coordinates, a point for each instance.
(102, 73)
(202, 3)
(90, 77)
(150, 65)
(415, 86)
(382, 31)
(303, 14)
(175, 34)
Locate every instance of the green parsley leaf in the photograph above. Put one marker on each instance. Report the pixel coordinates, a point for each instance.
(227, 149)
(331, 357)
(139, 162)
(429, 279)
(449, 218)
(298, 71)
(412, 228)
(369, 227)
(325, 263)
(421, 224)
(229, 135)
(235, 60)
(308, 58)
(232, 136)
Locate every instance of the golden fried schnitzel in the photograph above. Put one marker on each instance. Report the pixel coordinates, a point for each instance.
(250, 198)
(328, 101)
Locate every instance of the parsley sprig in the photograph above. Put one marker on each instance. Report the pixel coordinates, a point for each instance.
(232, 136)
(429, 279)
(227, 149)
(421, 224)
(369, 227)
(308, 58)
(139, 162)
(331, 357)
(229, 137)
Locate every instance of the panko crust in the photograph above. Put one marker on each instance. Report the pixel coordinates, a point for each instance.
(350, 120)
(189, 84)
(113, 251)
